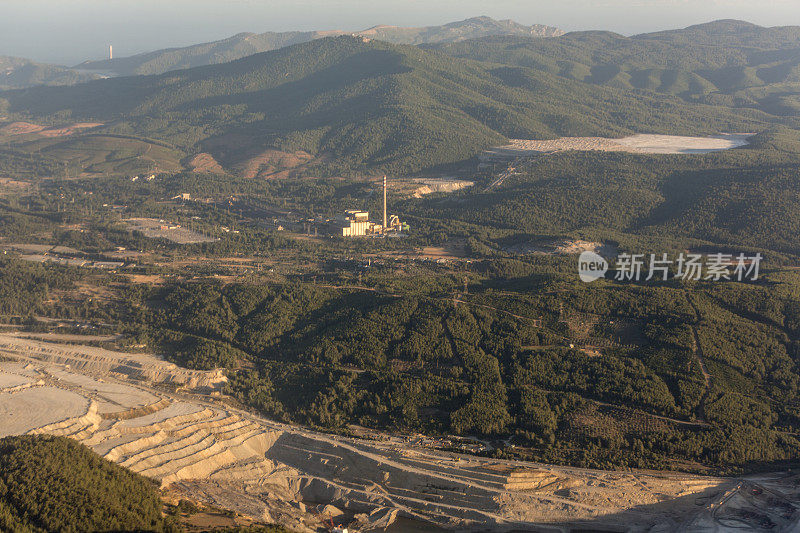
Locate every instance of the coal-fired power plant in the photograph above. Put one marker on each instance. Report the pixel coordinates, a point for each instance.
(356, 223)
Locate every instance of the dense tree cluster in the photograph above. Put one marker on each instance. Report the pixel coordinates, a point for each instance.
(369, 105)
(55, 484)
(25, 286)
(331, 357)
(740, 199)
(711, 63)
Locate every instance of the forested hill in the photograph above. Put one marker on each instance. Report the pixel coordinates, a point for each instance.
(55, 484)
(725, 33)
(367, 104)
(17, 72)
(245, 44)
(723, 63)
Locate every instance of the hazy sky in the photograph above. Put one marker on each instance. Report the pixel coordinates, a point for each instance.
(70, 31)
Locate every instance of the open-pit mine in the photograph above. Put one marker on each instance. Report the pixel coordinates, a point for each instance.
(176, 426)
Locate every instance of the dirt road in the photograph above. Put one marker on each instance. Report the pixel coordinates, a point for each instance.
(192, 440)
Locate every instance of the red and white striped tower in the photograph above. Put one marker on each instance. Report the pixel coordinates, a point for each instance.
(384, 204)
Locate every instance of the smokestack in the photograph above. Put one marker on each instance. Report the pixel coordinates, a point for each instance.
(110, 52)
(384, 202)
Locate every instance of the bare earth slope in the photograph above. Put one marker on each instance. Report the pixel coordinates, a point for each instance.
(189, 439)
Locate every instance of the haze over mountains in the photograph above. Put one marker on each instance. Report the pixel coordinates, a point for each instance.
(245, 44)
(366, 103)
(352, 103)
(18, 72)
(24, 73)
(727, 62)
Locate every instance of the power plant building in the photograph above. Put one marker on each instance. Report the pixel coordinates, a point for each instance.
(356, 223)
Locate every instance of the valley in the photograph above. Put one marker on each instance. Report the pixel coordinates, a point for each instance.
(314, 280)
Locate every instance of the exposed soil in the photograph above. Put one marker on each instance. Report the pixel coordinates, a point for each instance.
(205, 162)
(211, 453)
(562, 247)
(21, 128)
(642, 143)
(433, 185)
(274, 164)
(69, 130)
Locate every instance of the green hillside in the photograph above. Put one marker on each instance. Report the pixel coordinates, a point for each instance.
(404, 357)
(16, 72)
(364, 105)
(222, 51)
(741, 198)
(727, 63)
(245, 44)
(722, 33)
(55, 484)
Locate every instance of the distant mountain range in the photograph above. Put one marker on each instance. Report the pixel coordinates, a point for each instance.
(723, 63)
(17, 72)
(245, 44)
(729, 32)
(358, 104)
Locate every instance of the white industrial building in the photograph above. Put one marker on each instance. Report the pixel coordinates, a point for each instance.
(356, 223)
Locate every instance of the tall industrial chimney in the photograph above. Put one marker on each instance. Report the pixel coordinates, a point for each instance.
(384, 203)
(110, 52)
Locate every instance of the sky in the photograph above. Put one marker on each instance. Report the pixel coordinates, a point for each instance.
(70, 31)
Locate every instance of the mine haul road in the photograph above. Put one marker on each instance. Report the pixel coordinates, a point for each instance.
(192, 442)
